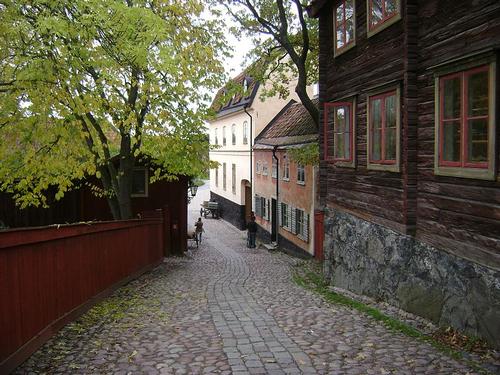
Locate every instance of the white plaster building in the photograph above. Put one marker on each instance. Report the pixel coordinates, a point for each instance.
(234, 129)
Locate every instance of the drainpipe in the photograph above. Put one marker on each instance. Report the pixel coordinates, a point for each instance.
(251, 151)
(277, 194)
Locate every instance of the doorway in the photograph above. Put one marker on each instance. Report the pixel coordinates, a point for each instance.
(274, 219)
(248, 202)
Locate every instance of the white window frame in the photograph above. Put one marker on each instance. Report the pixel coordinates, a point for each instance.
(286, 169)
(233, 178)
(224, 175)
(245, 132)
(301, 177)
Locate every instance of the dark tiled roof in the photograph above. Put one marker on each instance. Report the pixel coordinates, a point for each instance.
(238, 101)
(292, 125)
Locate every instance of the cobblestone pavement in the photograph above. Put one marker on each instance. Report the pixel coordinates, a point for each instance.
(226, 309)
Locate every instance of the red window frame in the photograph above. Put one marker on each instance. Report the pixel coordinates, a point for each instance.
(464, 118)
(325, 130)
(343, 23)
(383, 128)
(385, 17)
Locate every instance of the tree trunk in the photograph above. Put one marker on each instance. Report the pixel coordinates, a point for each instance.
(125, 175)
(301, 90)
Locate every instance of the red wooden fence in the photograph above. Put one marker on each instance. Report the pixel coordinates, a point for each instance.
(49, 275)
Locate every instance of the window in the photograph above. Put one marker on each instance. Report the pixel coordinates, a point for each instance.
(264, 169)
(233, 178)
(301, 174)
(233, 134)
(302, 224)
(217, 177)
(263, 210)
(465, 123)
(224, 176)
(139, 182)
(274, 170)
(339, 129)
(216, 138)
(285, 217)
(383, 131)
(223, 135)
(257, 167)
(381, 14)
(344, 26)
(245, 132)
(286, 169)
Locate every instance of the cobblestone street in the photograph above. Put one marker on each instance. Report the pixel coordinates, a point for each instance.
(230, 310)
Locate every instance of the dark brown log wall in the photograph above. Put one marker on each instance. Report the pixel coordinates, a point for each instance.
(461, 215)
(384, 197)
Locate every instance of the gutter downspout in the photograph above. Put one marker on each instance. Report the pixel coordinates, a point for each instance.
(251, 154)
(277, 194)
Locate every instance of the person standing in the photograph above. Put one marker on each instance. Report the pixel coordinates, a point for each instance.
(198, 229)
(252, 232)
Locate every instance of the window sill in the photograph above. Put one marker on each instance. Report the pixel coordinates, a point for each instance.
(472, 173)
(302, 183)
(286, 179)
(339, 51)
(383, 167)
(382, 26)
(343, 164)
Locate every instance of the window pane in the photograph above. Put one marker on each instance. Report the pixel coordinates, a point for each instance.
(139, 181)
(339, 13)
(349, 26)
(340, 36)
(376, 145)
(390, 111)
(390, 144)
(376, 11)
(375, 114)
(340, 116)
(349, 9)
(347, 145)
(478, 94)
(340, 146)
(477, 142)
(451, 92)
(451, 141)
(390, 7)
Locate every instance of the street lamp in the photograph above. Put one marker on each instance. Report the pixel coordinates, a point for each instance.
(193, 189)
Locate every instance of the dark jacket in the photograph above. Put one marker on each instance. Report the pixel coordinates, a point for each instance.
(252, 227)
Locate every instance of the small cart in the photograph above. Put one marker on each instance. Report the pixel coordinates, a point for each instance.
(208, 207)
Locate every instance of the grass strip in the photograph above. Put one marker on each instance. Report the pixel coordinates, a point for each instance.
(312, 281)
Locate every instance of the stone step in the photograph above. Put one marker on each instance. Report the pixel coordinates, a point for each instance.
(271, 246)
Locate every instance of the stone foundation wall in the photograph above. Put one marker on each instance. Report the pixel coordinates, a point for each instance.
(231, 212)
(370, 259)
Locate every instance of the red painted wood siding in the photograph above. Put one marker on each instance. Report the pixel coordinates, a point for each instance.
(47, 272)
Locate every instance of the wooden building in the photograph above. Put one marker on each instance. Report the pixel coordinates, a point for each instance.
(82, 205)
(409, 175)
(285, 191)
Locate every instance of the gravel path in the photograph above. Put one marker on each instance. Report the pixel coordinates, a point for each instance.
(226, 309)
